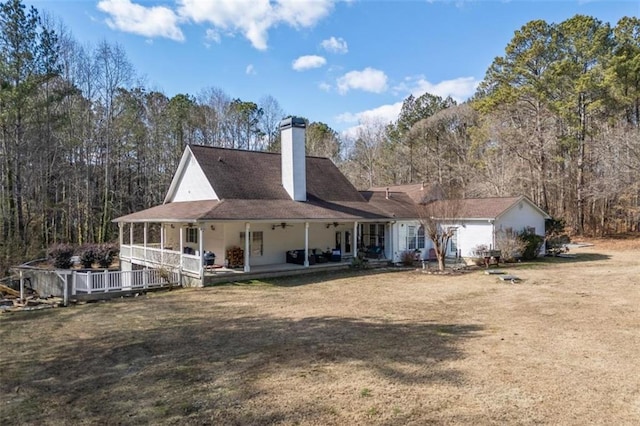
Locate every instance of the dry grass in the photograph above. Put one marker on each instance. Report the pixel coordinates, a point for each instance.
(562, 347)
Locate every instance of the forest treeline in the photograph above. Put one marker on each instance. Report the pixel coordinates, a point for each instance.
(82, 140)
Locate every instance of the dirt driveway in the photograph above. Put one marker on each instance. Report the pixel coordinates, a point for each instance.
(562, 347)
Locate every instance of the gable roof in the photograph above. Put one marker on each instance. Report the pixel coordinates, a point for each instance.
(397, 205)
(418, 192)
(255, 175)
(482, 208)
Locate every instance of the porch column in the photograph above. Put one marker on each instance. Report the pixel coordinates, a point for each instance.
(162, 231)
(131, 234)
(120, 233)
(146, 229)
(201, 248)
(247, 228)
(355, 239)
(181, 245)
(306, 244)
(388, 241)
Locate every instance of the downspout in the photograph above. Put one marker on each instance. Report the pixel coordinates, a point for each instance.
(306, 244)
(200, 249)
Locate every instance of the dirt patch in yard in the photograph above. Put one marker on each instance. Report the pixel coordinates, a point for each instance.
(346, 348)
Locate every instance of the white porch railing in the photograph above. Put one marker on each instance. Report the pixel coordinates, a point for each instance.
(125, 251)
(152, 256)
(102, 282)
(191, 263)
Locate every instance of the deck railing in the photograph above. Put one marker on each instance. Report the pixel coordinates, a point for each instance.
(152, 256)
(103, 282)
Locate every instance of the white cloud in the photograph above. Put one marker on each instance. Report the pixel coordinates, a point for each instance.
(156, 21)
(335, 45)
(254, 18)
(308, 62)
(368, 80)
(460, 89)
(250, 70)
(213, 35)
(384, 113)
(324, 86)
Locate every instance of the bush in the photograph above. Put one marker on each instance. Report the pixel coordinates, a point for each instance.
(556, 237)
(532, 244)
(105, 254)
(408, 257)
(61, 255)
(88, 254)
(510, 245)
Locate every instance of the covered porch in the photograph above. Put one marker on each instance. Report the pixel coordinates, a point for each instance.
(210, 250)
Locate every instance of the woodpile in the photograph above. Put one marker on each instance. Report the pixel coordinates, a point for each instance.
(235, 257)
(10, 300)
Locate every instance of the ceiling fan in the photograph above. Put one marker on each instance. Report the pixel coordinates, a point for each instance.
(281, 225)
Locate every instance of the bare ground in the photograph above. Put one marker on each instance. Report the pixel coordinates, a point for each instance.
(561, 347)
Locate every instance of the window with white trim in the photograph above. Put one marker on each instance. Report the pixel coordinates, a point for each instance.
(256, 243)
(411, 238)
(192, 235)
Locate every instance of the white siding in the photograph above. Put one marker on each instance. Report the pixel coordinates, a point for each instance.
(473, 233)
(193, 185)
(276, 242)
(520, 216)
(399, 235)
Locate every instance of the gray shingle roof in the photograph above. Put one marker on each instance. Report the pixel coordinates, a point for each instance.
(477, 208)
(253, 175)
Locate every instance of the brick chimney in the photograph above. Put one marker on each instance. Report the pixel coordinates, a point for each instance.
(292, 142)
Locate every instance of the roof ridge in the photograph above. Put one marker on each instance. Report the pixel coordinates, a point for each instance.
(251, 151)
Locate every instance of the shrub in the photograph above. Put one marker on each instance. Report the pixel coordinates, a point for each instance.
(532, 244)
(408, 257)
(105, 254)
(556, 237)
(510, 245)
(61, 255)
(88, 254)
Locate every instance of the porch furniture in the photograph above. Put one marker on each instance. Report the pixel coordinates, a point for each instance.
(374, 252)
(297, 257)
(432, 255)
(320, 256)
(488, 255)
(336, 256)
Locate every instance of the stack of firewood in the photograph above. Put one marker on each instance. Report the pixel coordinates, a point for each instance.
(10, 300)
(235, 257)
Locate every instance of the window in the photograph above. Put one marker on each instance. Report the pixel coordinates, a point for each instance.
(420, 243)
(381, 235)
(415, 237)
(192, 235)
(257, 247)
(454, 241)
(372, 235)
(411, 237)
(256, 243)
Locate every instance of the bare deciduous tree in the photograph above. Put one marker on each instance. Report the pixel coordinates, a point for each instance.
(440, 220)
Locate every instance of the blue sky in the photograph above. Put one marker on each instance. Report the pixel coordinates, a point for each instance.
(332, 61)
